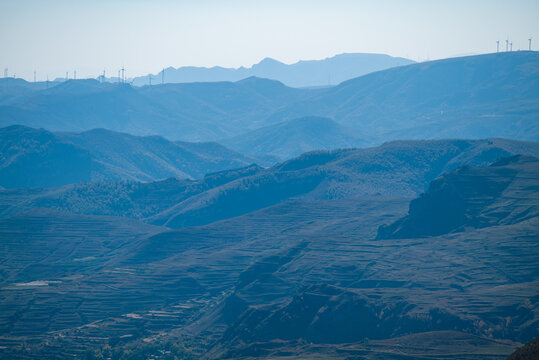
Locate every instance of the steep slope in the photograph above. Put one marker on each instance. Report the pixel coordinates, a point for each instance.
(294, 137)
(505, 193)
(331, 70)
(529, 351)
(36, 157)
(481, 96)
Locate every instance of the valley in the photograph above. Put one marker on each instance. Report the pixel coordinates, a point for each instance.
(392, 216)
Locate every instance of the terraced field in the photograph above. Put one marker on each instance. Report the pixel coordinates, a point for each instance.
(135, 280)
(271, 282)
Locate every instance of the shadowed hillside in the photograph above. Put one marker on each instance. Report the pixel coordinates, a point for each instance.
(35, 158)
(396, 169)
(504, 193)
(529, 351)
(38, 158)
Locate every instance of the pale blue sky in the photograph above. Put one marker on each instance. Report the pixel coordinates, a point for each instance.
(55, 36)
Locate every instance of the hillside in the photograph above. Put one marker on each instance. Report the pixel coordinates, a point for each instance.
(503, 193)
(395, 169)
(78, 282)
(493, 95)
(34, 158)
(38, 158)
(188, 112)
(294, 137)
(13, 90)
(333, 70)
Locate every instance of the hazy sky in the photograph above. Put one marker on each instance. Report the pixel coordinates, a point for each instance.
(55, 36)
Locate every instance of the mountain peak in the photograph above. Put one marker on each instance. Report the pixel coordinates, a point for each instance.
(268, 60)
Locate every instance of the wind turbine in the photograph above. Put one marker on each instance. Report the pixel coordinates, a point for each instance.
(530, 44)
(497, 46)
(507, 45)
(511, 46)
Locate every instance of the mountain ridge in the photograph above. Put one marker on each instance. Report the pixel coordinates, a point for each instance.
(397, 169)
(492, 95)
(39, 158)
(303, 73)
(456, 201)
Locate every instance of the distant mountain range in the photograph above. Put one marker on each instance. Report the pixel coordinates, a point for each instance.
(38, 158)
(494, 95)
(392, 216)
(188, 112)
(306, 73)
